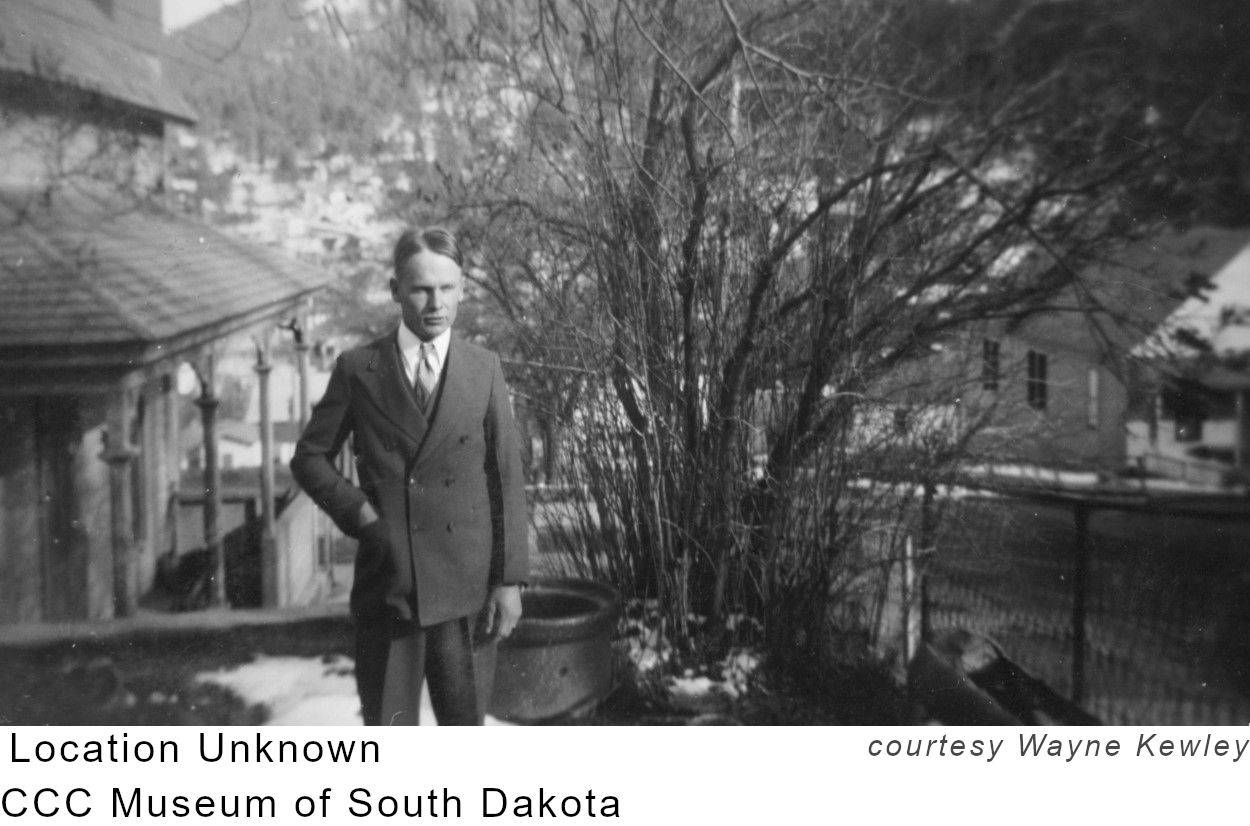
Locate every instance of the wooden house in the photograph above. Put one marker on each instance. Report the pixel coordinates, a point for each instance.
(104, 293)
(1081, 384)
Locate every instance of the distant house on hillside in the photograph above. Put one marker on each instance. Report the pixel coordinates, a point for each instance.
(1197, 424)
(103, 295)
(1078, 386)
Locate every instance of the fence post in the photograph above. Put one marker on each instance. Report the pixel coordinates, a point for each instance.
(911, 617)
(1080, 574)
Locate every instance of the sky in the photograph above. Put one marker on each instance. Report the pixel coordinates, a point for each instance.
(179, 13)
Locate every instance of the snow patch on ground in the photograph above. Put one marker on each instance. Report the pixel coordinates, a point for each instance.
(644, 643)
(900, 489)
(715, 692)
(1037, 473)
(698, 694)
(296, 690)
(301, 691)
(648, 651)
(737, 671)
(1082, 480)
(711, 688)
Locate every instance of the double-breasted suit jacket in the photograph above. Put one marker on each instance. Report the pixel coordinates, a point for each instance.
(448, 489)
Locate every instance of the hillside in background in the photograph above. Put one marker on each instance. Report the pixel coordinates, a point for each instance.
(280, 77)
(324, 124)
(286, 75)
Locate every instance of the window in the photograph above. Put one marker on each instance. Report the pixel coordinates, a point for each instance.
(1035, 385)
(1093, 408)
(901, 416)
(989, 364)
(1188, 407)
(1188, 426)
(1156, 413)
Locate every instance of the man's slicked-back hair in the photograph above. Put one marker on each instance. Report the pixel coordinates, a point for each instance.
(438, 240)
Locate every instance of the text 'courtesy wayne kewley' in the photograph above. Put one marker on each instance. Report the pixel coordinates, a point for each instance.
(1146, 745)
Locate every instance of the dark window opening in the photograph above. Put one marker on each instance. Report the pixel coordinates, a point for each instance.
(1188, 406)
(1035, 385)
(901, 417)
(990, 372)
(1188, 427)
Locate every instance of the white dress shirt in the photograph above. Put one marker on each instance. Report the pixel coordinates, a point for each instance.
(410, 353)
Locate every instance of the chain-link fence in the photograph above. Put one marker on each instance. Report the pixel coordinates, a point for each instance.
(1139, 612)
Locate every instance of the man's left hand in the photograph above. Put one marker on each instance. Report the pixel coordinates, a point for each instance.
(503, 611)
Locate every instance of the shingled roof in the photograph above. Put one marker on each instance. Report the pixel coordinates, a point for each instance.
(1135, 287)
(83, 278)
(81, 45)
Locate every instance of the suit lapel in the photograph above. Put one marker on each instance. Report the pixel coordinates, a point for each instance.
(389, 387)
(453, 400)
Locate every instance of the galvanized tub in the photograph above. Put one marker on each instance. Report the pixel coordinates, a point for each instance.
(558, 661)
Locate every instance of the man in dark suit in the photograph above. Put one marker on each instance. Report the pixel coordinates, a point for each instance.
(440, 508)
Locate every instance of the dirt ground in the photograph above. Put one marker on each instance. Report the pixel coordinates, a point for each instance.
(157, 676)
(145, 677)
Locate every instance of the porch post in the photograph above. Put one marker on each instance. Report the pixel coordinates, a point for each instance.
(207, 403)
(271, 580)
(119, 454)
(173, 467)
(301, 364)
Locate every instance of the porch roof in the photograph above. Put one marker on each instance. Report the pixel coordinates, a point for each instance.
(117, 55)
(85, 281)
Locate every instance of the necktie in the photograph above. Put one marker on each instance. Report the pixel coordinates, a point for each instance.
(427, 373)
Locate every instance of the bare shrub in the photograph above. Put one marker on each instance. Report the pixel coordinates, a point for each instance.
(761, 237)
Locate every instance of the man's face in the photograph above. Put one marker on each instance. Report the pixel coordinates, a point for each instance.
(428, 289)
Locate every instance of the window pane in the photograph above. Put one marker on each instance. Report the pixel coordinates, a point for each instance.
(1035, 384)
(900, 420)
(989, 364)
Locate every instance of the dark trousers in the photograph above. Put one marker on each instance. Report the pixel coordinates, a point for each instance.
(391, 665)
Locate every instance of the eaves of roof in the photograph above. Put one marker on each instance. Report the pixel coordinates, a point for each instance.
(79, 45)
(89, 284)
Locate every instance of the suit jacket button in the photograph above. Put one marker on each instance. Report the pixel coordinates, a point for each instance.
(448, 527)
(448, 482)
